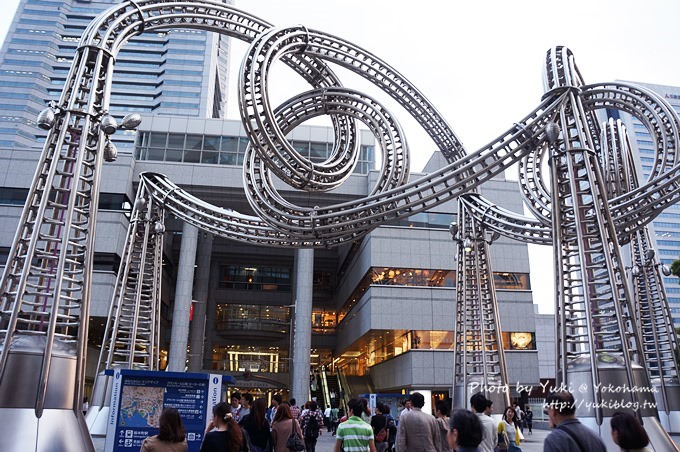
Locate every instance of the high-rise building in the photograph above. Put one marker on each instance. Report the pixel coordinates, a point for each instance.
(665, 229)
(384, 305)
(179, 72)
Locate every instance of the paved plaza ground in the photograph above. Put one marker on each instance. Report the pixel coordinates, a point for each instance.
(533, 443)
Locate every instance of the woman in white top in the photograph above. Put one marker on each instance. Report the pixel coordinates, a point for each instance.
(510, 427)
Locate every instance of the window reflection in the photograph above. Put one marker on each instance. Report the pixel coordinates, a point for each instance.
(519, 340)
(226, 150)
(398, 277)
(380, 346)
(258, 318)
(511, 281)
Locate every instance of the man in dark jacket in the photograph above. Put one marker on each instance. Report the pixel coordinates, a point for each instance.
(568, 434)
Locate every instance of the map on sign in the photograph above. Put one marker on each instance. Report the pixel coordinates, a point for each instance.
(141, 406)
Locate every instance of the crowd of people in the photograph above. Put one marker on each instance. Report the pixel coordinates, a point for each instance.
(251, 425)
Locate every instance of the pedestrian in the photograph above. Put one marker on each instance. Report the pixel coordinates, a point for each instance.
(334, 419)
(379, 425)
(246, 401)
(354, 435)
(407, 407)
(236, 406)
(256, 427)
(271, 412)
(442, 416)
(86, 405)
(294, 409)
(465, 431)
(509, 430)
(223, 433)
(327, 417)
(480, 404)
(519, 416)
(568, 433)
(171, 435)
(283, 427)
(529, 416)
(311, 422)
(391, 428)
(366, 414)
(418, 431)
(628, 433)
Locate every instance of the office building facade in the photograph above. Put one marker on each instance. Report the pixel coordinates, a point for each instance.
(665, 229)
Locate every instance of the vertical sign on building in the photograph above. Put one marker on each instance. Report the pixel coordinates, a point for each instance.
(139, 397)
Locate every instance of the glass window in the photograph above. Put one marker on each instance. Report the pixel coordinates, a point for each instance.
(155, 154)
(210, 157)
(318, 152)
(211, 143)
(194, 142)
(229, 144)
(173, 155)
(175, 141)
(191, 156)
(13, 196)
(519, 340)
(511, 281)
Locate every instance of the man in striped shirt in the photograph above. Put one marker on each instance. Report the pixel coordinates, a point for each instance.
(354, 435)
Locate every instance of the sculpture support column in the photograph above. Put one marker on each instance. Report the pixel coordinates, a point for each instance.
(197, 336)
(183, 291)
(209, 324)
(302, 335)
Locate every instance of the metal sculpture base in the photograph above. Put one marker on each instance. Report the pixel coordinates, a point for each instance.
(59, 428)
(616, 395)
(671, 420)
(54, 431)
(98, 413)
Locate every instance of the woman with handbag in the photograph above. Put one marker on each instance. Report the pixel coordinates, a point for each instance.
(509, 435)
(286, 432)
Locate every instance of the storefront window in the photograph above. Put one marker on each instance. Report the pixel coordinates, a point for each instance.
(511, 281)
(385, 276)
(519, 341)
(255, 278)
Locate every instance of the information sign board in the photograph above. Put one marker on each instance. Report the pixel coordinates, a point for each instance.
(138, 398)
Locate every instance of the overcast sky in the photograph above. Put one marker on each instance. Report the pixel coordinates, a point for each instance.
(480, 62)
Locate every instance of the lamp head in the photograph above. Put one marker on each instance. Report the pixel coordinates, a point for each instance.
(110, 151)
(46, 118)
(108, 124)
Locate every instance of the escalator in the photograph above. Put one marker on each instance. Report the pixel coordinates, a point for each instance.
(333, 387)
(316, 390)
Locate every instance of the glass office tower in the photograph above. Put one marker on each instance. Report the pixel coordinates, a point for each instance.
(665, 229)
(182, 72)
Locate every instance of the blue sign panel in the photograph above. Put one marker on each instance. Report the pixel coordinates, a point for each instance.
(138, 398)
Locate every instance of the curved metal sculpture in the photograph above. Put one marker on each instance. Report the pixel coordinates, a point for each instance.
(45, 287)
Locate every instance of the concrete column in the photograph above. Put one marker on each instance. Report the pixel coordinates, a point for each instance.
(197, 335)
(183, 291)
(302, 336)
(210, 318)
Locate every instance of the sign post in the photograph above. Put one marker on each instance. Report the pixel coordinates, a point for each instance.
(138, 398)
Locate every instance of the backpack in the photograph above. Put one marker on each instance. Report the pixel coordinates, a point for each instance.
(391, 425)
(311, 427)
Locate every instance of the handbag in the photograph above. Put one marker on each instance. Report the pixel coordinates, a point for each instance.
(503, 441)
(294, 442)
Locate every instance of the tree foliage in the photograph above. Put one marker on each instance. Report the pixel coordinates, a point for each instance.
(675, 268)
